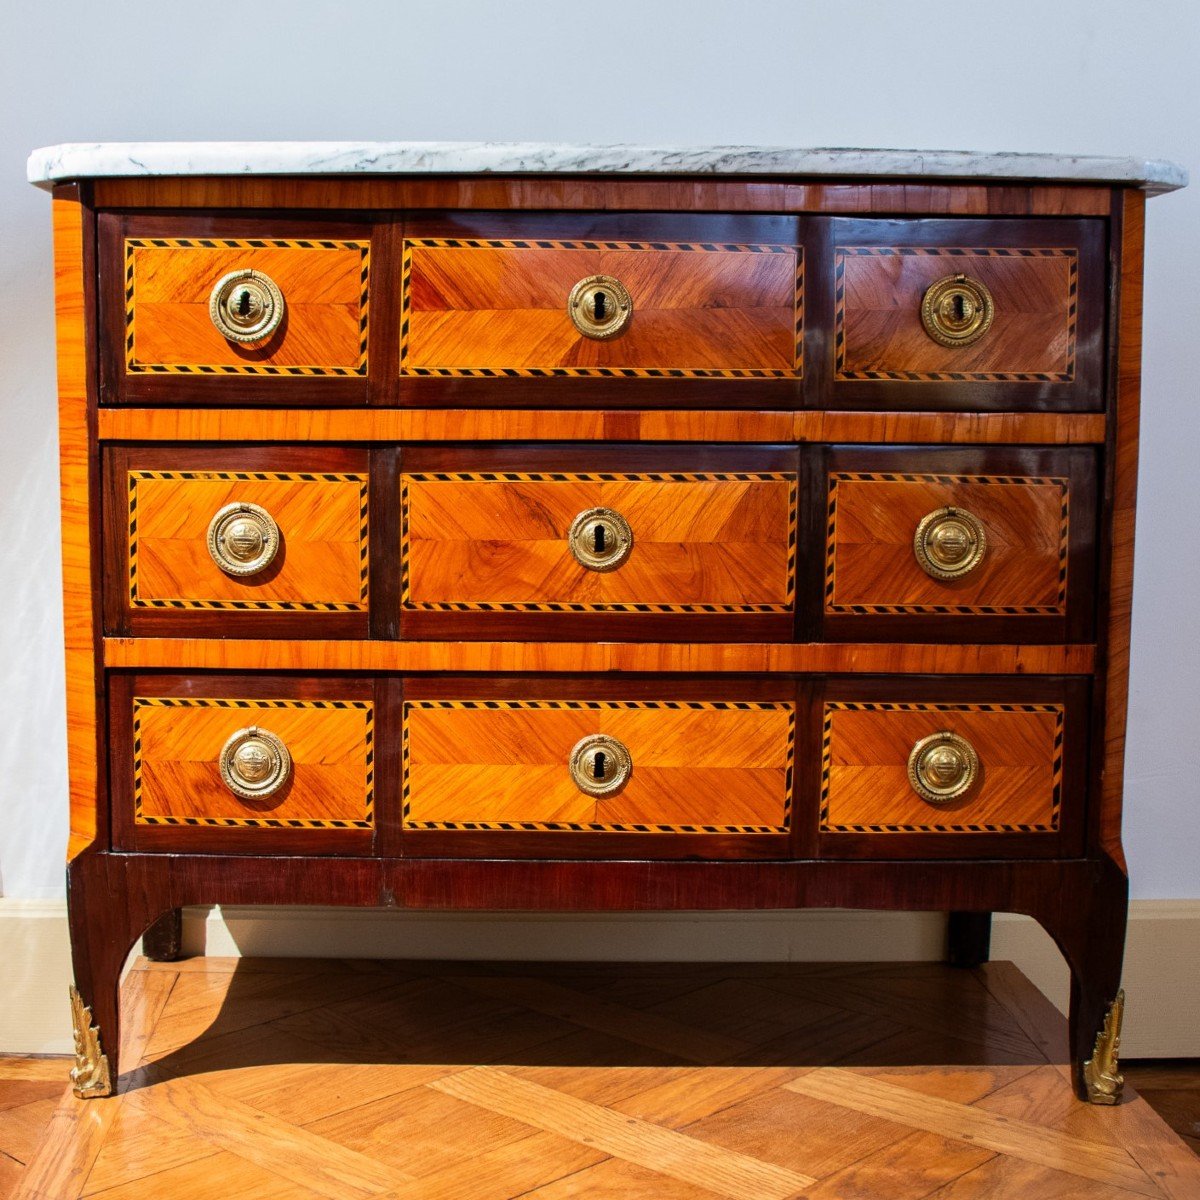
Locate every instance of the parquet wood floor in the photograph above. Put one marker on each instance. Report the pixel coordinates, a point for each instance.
(348, 1080)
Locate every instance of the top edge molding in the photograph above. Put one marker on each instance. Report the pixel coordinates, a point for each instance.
(107, 160)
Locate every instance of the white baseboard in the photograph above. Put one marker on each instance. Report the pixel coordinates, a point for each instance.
(1162, 964)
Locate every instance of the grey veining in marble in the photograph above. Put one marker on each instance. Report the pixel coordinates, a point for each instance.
(83, 160)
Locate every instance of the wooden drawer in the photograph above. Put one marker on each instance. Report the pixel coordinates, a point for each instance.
(951, 768)
(195, 525)
(706, 776)
(161, 277)
(183, 747)
(976, 545)
(1043, 286)
(721, 298)
(621, 538)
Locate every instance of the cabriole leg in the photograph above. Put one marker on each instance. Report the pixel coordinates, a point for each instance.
(1089, 927)
(968, 939)
(106, 918)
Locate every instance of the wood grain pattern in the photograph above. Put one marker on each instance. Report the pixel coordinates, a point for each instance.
(498, 540)
(168, 329)
(870, 565)
(351, 655)
(699, 767)
(322, 563)
(581, 193)
(284, 1080)
(177, 747)
(1121, 510)
(499, 307)
(77, 485)
(865, 787)
(877, 323)
(538, 425)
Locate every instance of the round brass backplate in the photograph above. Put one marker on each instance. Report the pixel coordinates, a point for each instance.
(254, 763)
(246, 306)
(599, 306)
(949, 543)
(943, 767)
(600, 539)
(243, 539)
(957, 310)
(600, 765)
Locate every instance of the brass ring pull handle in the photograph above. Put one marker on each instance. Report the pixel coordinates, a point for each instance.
(600, 765)
(957, 310)
(600, 539)
(243, 539)
(949, 543)
(599, 306)
(246, 306)
(255, 764)
(943, 767)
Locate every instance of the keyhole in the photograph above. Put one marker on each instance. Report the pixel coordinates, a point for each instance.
(599, 766)
(243, 305)
(960, 308)
(598, 539)
(599, 303)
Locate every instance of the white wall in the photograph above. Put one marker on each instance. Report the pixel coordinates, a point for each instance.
(1086, 76)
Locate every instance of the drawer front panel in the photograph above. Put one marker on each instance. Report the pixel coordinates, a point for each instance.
(169, 328)
(177, 751)
(232, 541)
(922, 539)
(865, 776)
(705, 542)
(871, 564)
(492, 306)
(942, 768)
(966, 314)
(879, 334)
(698, 767)
(322, 520)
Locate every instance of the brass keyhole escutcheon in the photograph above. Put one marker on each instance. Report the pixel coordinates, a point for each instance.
(943, 767)
(957, 310)
(243, 539)
(246, 306)
(600, 539)
(599, 306)
(254, 763)
(600, 765)
(949, 543)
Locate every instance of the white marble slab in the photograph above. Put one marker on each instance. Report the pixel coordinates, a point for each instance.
(86, 160)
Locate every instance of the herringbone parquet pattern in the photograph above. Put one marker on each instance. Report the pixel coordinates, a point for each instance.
(375, 1081)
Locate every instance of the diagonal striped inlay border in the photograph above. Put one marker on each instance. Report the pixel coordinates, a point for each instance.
(795, 372)
(938, 827)
(599, 706)
(842, 253)
(1004, 610)
(193, 602)
(133, 366)
(140, 703)
(563, 606)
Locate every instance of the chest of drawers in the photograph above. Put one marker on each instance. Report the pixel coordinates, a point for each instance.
(474, 532)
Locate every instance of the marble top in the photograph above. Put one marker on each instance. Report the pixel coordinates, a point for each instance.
(90, 160)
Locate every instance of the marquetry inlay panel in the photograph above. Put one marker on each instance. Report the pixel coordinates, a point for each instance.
(871, 567)
(698, 767)
(322, 562)
(168, 330)
(878, 332)
(493, 307)
(177, 743)
(499, 541)
(864, 768)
